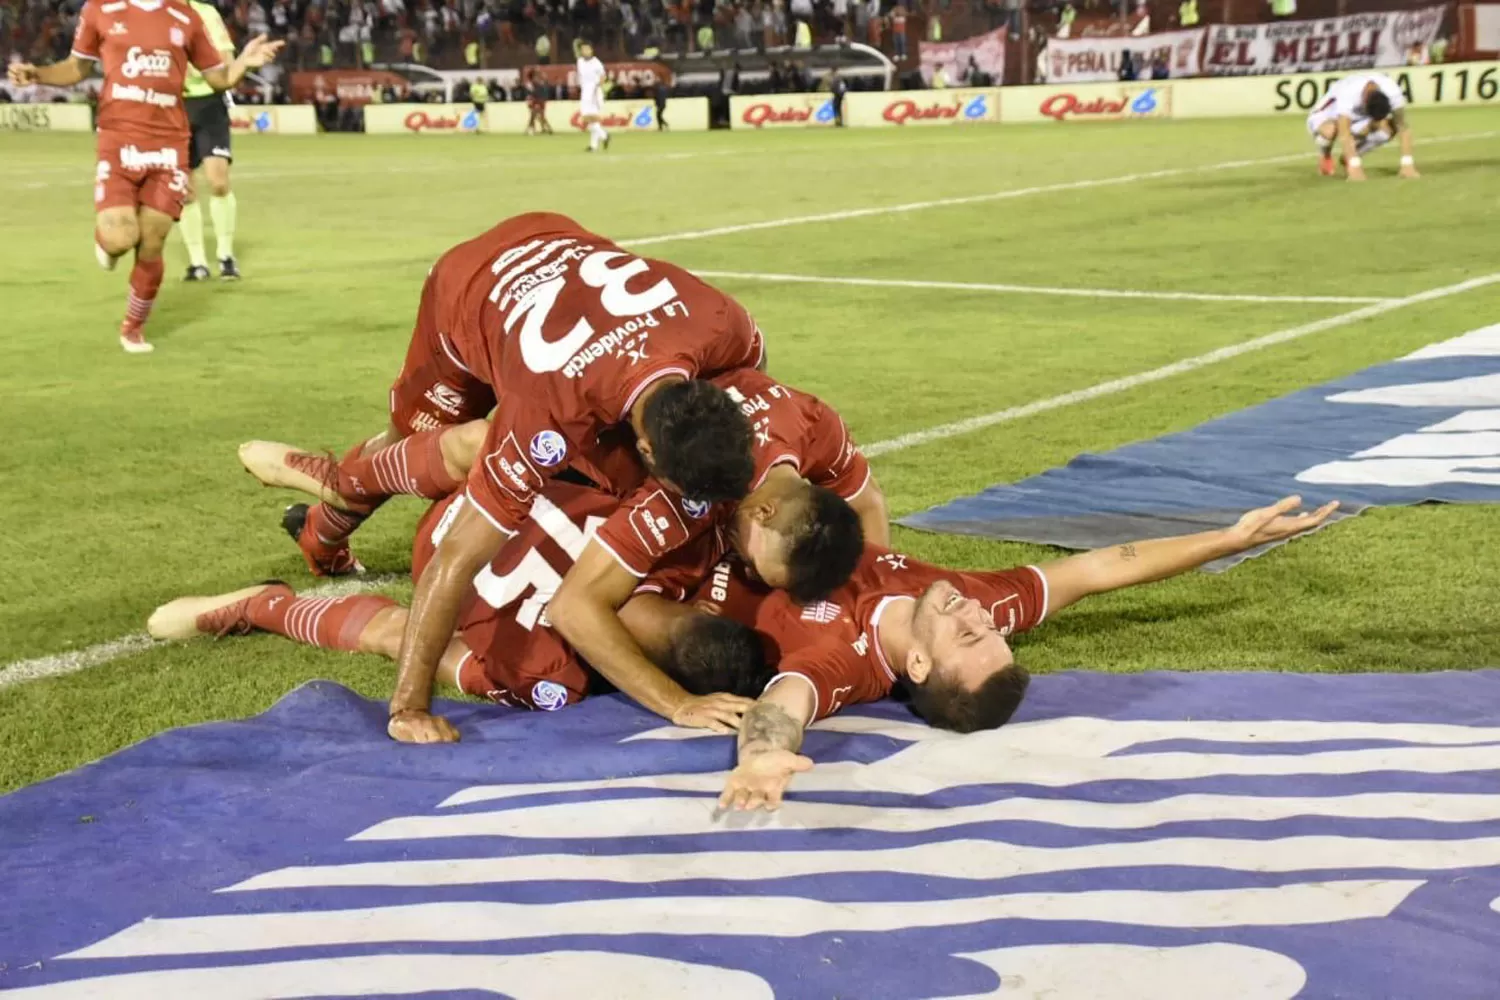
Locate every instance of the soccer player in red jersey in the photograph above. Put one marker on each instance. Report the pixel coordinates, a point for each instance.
(938, 633)
(504, 648)
(799, 526)
(140, 180)
(573, 334)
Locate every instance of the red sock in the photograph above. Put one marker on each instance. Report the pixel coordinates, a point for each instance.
(412, 466)
(329, 622)
(145, 279)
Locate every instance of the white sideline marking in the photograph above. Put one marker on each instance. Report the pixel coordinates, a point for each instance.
(969, 424)
(97, 655)
(1084, 293)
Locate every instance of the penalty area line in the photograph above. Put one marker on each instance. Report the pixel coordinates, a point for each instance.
(1084, 293)
(1118, 385)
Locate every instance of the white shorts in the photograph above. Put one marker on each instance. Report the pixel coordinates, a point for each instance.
(590, 109)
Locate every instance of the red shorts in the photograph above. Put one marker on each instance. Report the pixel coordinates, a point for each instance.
(135, 173)
(435, 388)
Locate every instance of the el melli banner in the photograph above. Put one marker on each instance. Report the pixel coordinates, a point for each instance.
(1356, 41)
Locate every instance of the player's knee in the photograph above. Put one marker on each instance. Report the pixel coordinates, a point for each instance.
(219, 185)
(118, 234)
(461, 444)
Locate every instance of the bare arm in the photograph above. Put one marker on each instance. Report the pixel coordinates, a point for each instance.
(470, 543)
(257, 53)
(585, 613)
(1351, 153)
(873, 516)
(1102, 570)
(64, 73)
(770, 736)
(1408, 143)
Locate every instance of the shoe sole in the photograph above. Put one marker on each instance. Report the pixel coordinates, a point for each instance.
(266, 461)
(136, 346)
(179, 619)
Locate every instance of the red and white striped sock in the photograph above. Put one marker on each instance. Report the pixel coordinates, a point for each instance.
(145, 279)
(412, 466)
(329, 622)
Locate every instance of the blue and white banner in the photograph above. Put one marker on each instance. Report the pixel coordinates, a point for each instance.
(1426, 427)
(1302, 835)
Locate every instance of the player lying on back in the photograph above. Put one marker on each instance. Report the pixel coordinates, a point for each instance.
(140, 180)
(938, 635)
(1361, 113)
(504, 648)
(799, 526)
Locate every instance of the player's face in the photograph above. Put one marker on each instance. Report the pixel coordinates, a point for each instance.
(586, 51)
(958, 636)
(764, 550)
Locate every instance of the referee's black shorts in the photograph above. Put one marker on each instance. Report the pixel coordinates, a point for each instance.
(209, 119)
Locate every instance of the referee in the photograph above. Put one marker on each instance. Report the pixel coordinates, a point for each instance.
(208, 114)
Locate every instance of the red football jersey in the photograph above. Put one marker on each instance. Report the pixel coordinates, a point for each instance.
(144, 47)
(833, 645)
(791, 428)
(572, 330)
(504, 619)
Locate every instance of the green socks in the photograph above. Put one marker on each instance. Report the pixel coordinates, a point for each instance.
(223, 212)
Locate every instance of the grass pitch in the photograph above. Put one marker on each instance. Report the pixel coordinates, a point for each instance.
(120, 487)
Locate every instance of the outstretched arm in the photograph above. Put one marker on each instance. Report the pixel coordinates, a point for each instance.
(1103, 570)
(64, 73)
(470, 542)
(585, 613)
(873, 516)
(257, 53)
(770, 736)
(1352, 165)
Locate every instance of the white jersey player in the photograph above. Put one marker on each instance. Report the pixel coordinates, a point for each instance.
(591, 96)
(1360, 113)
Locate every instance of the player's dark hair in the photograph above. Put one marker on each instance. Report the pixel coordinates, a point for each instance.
(709, 654)
(946, 704)
(827, 541)
(700, 441)
(1378, 106)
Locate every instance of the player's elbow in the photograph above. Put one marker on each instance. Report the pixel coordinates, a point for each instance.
(569, 609)
(874, 517)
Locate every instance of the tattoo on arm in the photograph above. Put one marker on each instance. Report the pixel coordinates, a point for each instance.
(1127, 552)
(769, 727)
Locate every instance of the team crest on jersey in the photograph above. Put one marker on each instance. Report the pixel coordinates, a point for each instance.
(696, 508)
(549, 696)
(823, 612)
(118, 28)
(548, 448)
(177, 37)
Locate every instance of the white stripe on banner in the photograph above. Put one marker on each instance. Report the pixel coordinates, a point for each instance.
(765, 916)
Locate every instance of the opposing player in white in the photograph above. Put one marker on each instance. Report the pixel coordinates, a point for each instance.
(591, 96)
(1361, 113)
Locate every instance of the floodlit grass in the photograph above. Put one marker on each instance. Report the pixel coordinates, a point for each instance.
(121, 490)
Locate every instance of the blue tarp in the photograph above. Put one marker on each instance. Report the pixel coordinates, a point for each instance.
(1150, 835)
(1424, 428)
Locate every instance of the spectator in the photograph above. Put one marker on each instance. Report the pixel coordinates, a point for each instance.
(1065, 21)
(1160, 69)
(1283, 8)
(838, 86)
(898, 31)
(1127, 65)
(940, 78)
(1187, 14)
(543, 49)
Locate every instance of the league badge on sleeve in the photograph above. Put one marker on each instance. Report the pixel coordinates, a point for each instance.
(549, 696)
(697, 509)
(548, 448)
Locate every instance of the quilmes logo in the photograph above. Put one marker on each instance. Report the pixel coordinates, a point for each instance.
(139, 62)
(1280, 855)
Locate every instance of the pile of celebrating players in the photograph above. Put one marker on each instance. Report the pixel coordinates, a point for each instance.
(623, 499)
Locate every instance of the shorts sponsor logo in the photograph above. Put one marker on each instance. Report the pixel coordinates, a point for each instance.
(512, 473)
(696, 508)
(132, 158)
(221, 151)
(445, 398)
(549, 696)
(139, 62)
(657, 524)
(548, 448)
